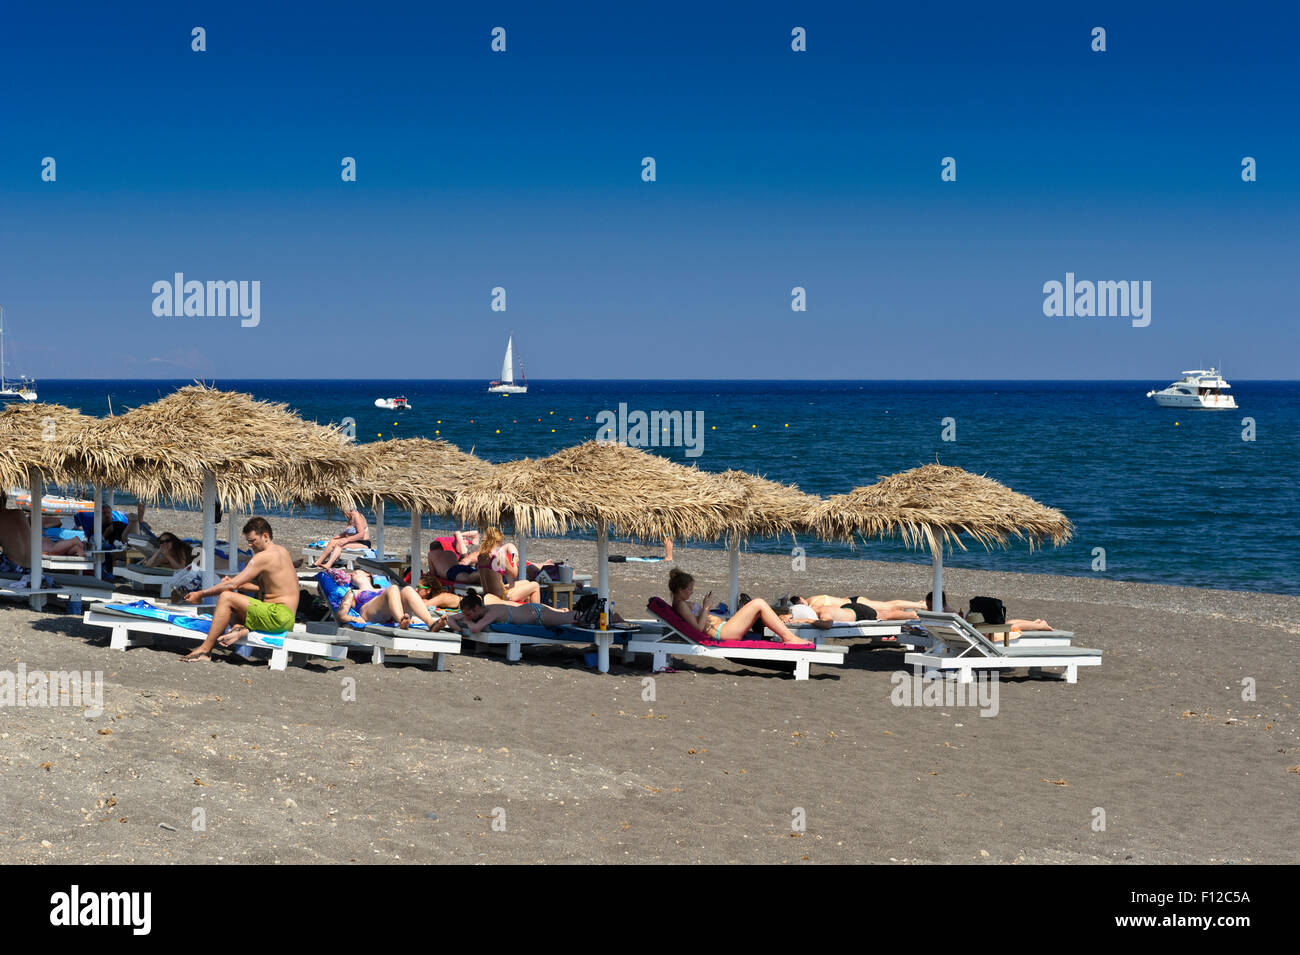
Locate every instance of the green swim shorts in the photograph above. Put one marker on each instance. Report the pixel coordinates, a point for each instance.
(268, 618)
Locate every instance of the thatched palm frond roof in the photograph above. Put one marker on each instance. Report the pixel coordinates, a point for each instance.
(633, 492)
(936, 504)
(417, 472)
(34, 438)
(254, 449)
(771, 508)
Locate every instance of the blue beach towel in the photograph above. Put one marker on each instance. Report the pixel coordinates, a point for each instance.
(199, 624)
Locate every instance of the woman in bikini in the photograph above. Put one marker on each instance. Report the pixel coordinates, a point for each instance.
(172, 552)
(392, 604)
(356, 536)
(498, 571)
(828, 607)
(681, 585)
(476, 617)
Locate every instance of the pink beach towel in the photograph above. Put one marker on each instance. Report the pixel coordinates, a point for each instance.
(661, 609)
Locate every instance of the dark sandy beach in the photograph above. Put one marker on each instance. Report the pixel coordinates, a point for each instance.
(573, 766)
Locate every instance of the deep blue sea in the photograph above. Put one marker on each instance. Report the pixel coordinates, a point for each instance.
(1173, 497)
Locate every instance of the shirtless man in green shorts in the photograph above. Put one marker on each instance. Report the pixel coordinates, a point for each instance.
(271, 570)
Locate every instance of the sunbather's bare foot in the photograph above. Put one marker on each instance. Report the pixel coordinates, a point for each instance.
(405, 622)
(196, 656)
(232, 635)
(798, 642)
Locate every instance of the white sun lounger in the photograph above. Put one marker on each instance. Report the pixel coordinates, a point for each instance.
(514, 637)
(996, 632)
(348, 558)
(66, 563)
(140, 577)
(687, 643)
(382, 637)
(958, 647)
(845, 630)
(72, 587)
(129, 630)
(9, 590)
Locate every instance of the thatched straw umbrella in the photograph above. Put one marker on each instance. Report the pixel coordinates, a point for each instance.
(199, 444)
(937, 505)
(35, 438)
(419, 474)
(770, 510)
(606, 487)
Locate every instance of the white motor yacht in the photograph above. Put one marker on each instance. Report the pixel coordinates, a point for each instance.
(1196, 389)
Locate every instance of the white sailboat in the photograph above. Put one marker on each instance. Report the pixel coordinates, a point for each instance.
(507, 386)
(24, 388)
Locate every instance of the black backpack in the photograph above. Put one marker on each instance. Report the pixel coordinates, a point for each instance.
(990, 607)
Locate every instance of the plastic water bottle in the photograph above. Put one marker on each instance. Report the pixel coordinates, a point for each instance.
(604, 616)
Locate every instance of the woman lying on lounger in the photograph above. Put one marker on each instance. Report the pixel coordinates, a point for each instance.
(848, 609)
(681, 585)
(432, 593)
(389, 605)
(475, 617)
(1012, 623)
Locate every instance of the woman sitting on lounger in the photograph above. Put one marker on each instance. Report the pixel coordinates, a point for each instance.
(356, 536)
(498, 576)
(172, 552)
(389, 605)
(681, 585)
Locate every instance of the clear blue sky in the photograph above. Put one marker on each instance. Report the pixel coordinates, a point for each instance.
(775, 169)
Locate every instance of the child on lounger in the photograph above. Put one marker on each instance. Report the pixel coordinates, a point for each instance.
(681, 585)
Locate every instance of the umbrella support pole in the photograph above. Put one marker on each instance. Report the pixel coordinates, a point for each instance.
(35, 488)
(417, 568)
(936, 585)
(602, 562)
(379, 529)
(232, 563)
(99, 533)
(733, 546)
(209, 529)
